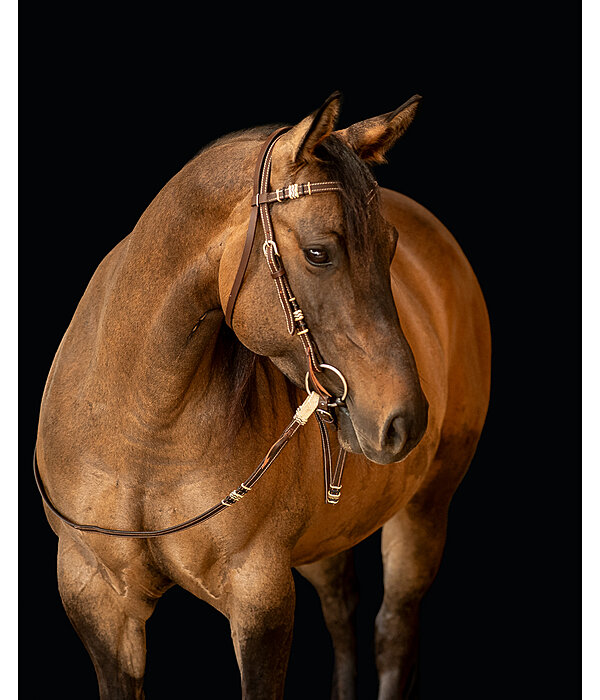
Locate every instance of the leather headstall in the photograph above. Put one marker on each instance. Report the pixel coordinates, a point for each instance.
(320, 401)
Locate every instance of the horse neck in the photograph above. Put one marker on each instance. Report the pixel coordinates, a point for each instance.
(162, 323)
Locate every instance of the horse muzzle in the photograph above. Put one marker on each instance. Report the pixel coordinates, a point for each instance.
(387, 440)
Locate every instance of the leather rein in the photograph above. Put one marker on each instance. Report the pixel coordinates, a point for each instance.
(319, 401)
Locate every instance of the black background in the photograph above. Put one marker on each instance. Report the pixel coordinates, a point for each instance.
(112, 108)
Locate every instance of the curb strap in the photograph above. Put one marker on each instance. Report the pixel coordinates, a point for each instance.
(333, 481)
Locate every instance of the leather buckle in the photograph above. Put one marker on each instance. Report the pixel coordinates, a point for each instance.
(327, 416)
(270, 243)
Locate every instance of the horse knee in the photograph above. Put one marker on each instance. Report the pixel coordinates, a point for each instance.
(335, 581)
(261, 596)
(110, 624)
(396, 624)
(412, 544)
(412, 549)
(406, 580)
(261, 615)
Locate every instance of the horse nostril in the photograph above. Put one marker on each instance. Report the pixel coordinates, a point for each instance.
(403, 431)
(395, 433)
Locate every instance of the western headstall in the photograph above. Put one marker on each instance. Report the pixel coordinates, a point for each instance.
(319, 401)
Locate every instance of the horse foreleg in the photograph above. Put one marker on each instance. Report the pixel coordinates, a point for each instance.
(335, 581)
(412, 546)
(111, 624)
(261, 615)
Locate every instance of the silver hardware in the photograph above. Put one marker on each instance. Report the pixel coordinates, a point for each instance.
(236, 496)
(282, 190)
(298, 315)
(335, 370)
(325, 415)
(306, 408)
(293, 192)
(333, 496)
(273, 245)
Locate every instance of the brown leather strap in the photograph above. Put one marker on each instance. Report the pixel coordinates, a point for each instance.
(250, 234)
(335, 487)
(333, 480)
(300, 417)
(295, 192)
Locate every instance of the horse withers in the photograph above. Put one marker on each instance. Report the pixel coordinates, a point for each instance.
(156, 408)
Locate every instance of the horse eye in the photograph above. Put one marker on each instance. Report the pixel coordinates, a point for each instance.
(317, 256)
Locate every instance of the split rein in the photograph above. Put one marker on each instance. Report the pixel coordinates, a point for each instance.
(318, 402)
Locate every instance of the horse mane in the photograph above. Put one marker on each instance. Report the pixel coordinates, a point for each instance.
(239, 365)
(358, 196)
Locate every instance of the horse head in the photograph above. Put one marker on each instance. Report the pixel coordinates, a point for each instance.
(337, 249)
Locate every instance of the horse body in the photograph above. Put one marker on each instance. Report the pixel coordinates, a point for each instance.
(444, 318)
(138, 430)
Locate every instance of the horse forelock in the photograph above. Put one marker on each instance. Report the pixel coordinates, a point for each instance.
(359, 190)
(338, 162)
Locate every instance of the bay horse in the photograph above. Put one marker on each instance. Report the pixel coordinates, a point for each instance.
(163, 395)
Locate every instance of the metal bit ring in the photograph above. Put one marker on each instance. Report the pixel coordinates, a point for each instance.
(335, 370)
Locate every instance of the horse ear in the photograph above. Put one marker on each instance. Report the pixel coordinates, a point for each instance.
(371, 138)
(308, 134)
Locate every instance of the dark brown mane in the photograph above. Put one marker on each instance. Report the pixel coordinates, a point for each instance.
(359, 193)
(239, 365)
